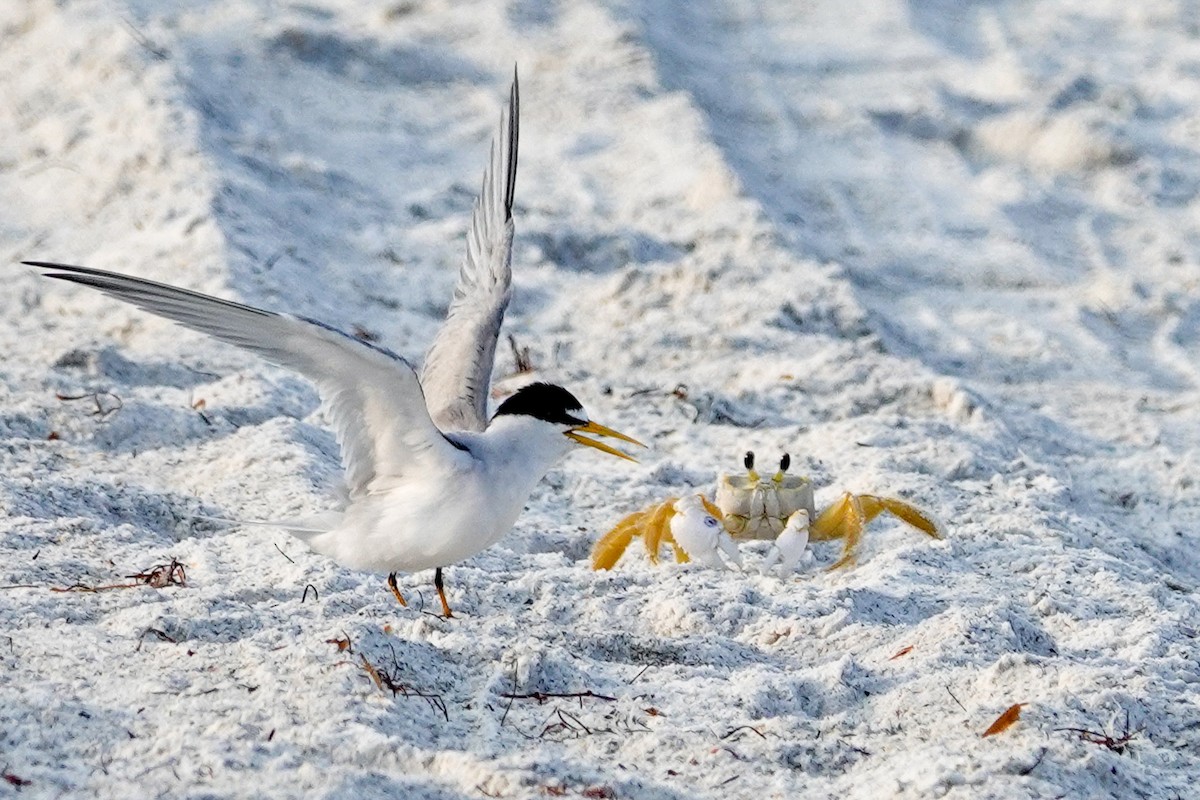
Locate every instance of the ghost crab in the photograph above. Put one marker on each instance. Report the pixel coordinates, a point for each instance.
(779, 508)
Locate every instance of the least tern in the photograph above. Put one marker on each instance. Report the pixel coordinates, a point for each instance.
(429, 480)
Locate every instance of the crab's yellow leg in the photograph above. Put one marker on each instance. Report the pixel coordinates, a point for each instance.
(711, 507)
(844, 520)
(613, 544)
(658, 527)
(873, 506)
(658, 532)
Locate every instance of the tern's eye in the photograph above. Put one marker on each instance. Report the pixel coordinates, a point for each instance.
(710, 522)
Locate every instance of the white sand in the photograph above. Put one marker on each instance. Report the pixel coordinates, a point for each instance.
(940, 250)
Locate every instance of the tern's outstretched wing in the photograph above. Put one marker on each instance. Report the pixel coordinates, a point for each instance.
(458, 367)
(374, 399)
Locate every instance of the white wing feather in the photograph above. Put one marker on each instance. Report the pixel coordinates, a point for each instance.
(458, 368)
(374, 400)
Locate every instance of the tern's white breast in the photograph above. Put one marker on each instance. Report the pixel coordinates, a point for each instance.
(436, 518)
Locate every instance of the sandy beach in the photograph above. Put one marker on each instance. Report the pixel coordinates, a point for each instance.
(946, 252)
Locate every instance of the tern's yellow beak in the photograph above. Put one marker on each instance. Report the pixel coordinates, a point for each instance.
(600, 430)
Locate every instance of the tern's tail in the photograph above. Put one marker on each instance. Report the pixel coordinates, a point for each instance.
(303, 528)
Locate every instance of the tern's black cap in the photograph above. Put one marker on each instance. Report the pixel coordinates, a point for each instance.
(545, 401)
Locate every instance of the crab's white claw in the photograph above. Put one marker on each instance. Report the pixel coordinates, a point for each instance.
(729, 547)
(700, 534)
(789, 548)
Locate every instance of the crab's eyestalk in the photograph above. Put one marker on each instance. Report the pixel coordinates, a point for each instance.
(749, 462)
(784, 463)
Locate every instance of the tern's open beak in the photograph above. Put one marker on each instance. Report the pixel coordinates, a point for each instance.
(600, 430)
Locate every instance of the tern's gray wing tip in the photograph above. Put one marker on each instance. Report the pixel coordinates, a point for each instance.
(514, 124)
(458, 368)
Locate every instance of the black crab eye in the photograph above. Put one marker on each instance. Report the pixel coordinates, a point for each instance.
(749, 459)
(785, 462)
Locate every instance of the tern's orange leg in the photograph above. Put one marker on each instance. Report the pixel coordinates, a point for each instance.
(437, 584)
(391, 582)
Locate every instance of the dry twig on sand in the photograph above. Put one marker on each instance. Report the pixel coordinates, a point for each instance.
(389, 680)
(159, 576)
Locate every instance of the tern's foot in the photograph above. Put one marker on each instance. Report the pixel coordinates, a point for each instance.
(391, 582)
